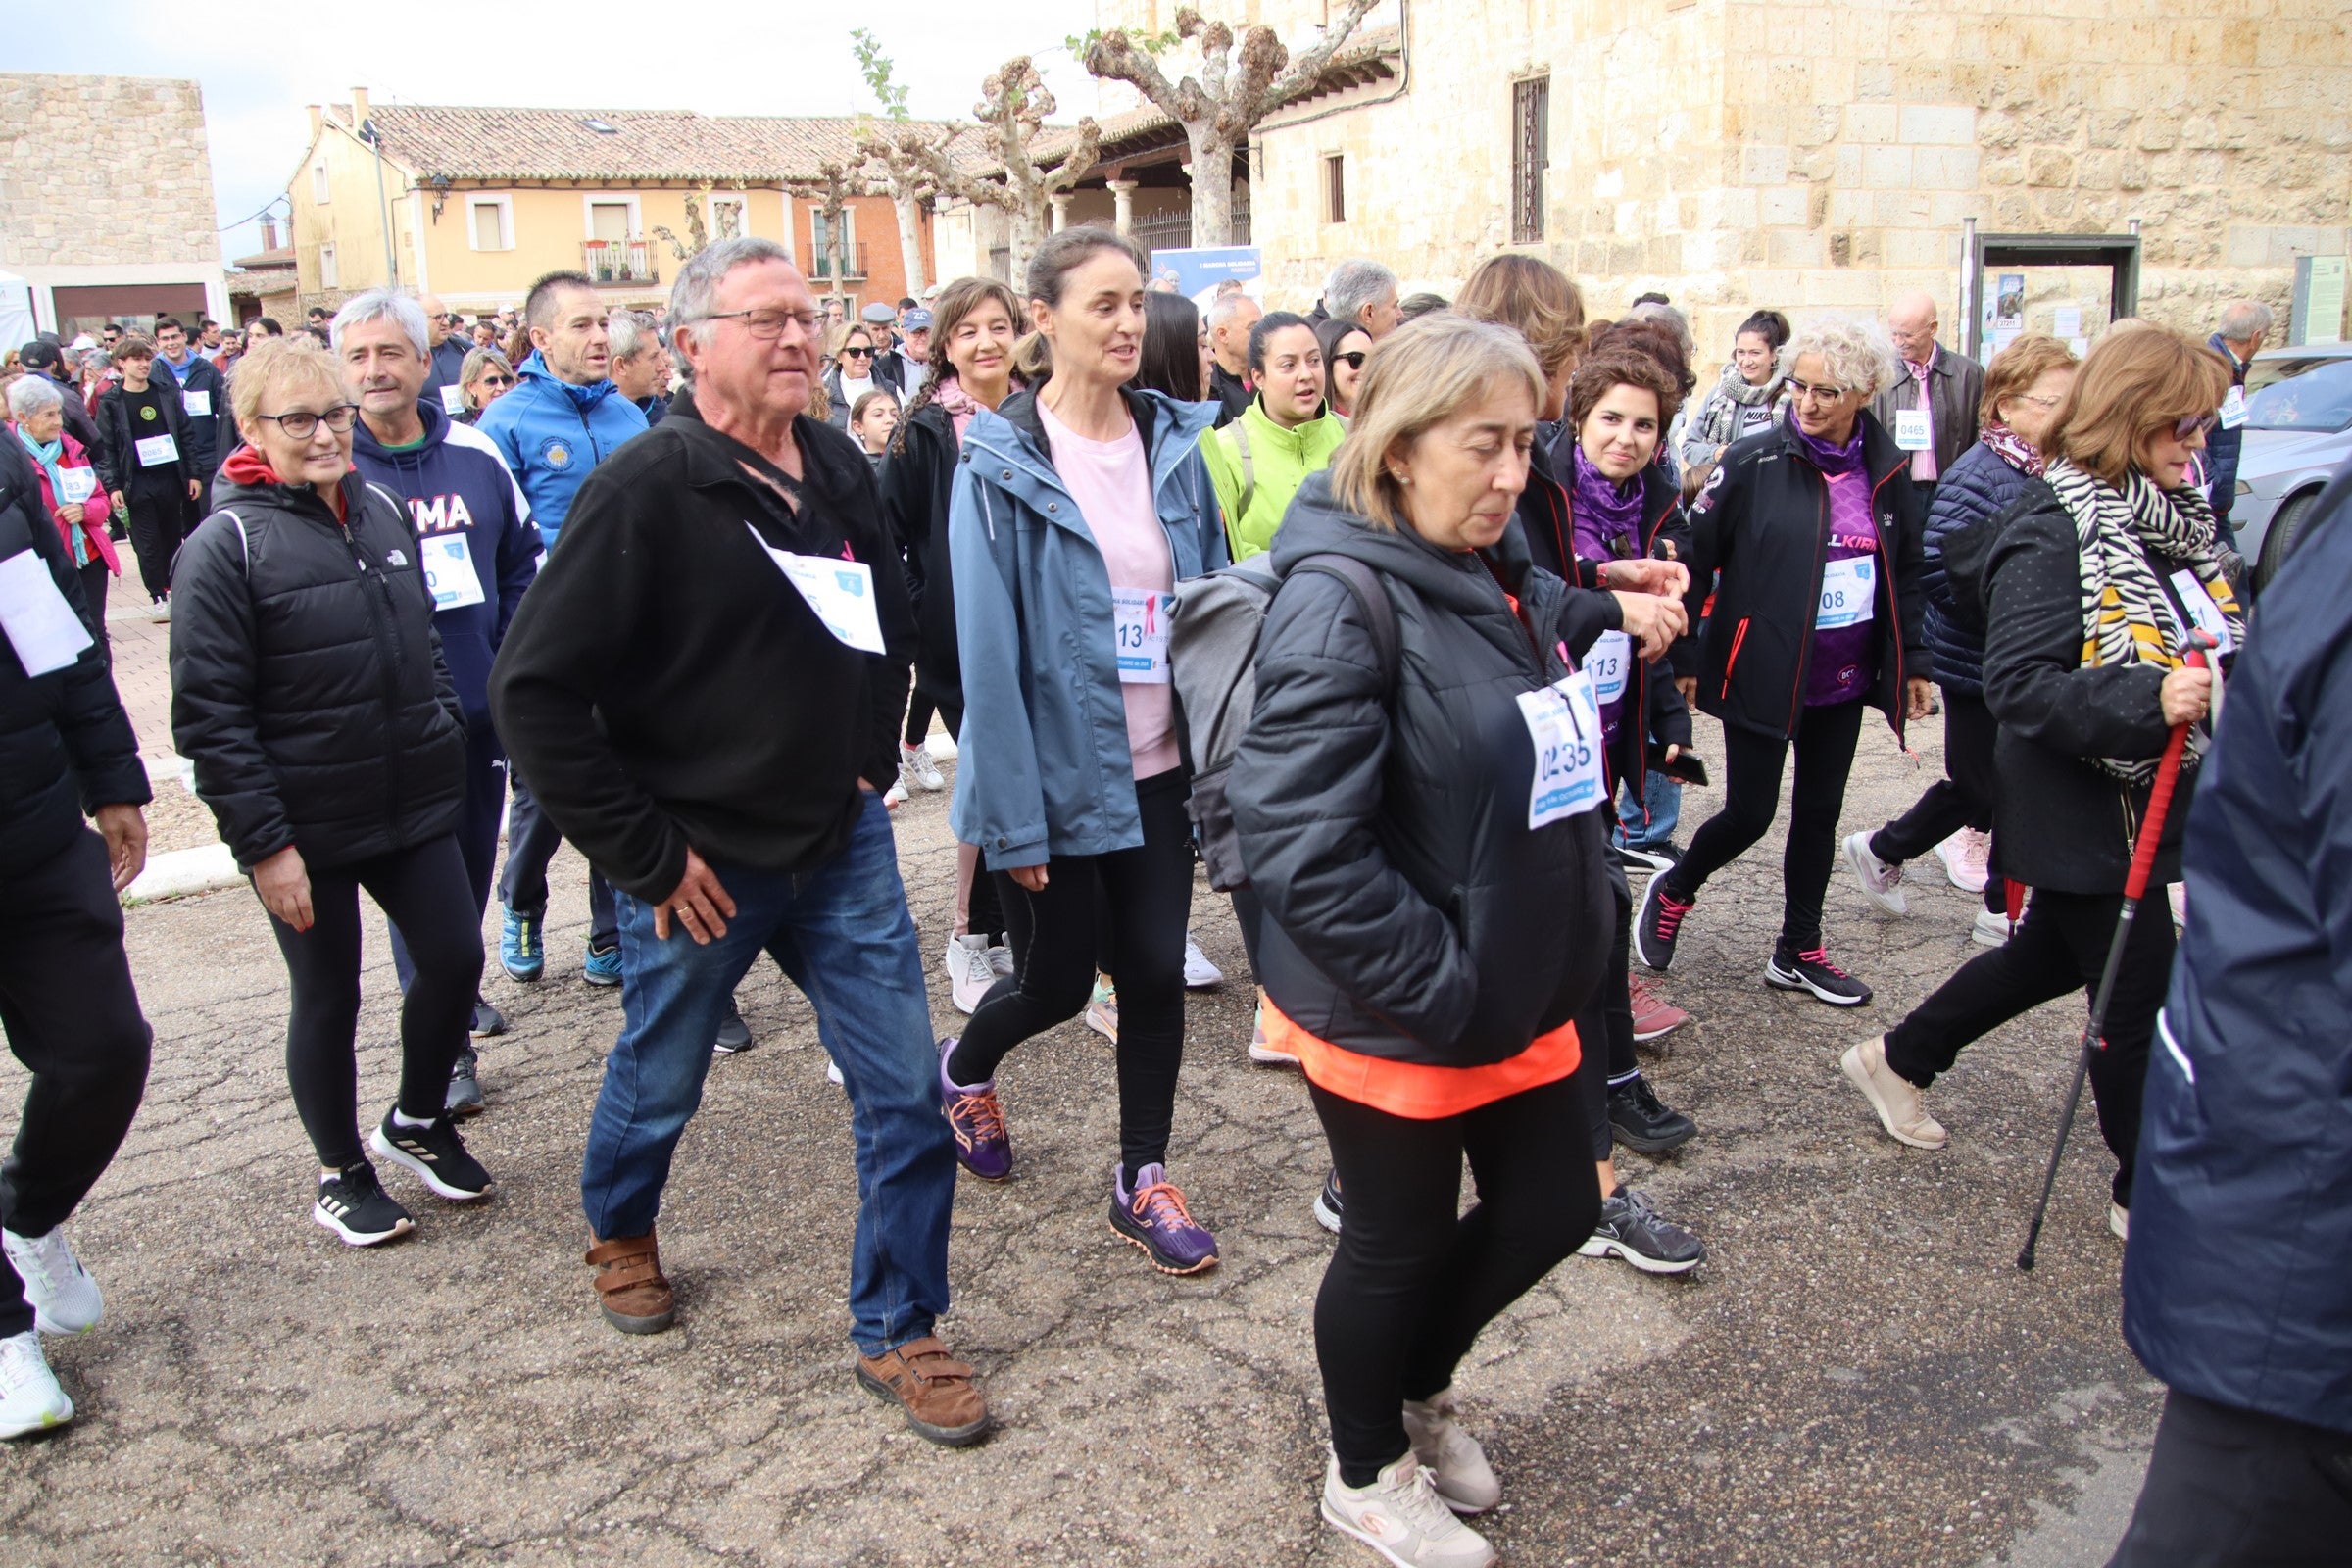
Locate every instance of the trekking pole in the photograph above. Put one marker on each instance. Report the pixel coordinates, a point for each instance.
(2143, 865)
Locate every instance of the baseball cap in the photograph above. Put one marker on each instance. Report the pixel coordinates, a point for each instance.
(41, 355)
(917, 320)
(879, 314)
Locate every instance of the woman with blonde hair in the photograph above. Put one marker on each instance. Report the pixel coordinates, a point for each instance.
(484, 377)
(2090, 589)
(1807, 538)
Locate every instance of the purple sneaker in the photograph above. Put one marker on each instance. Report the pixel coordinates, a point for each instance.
(1153, 1217)
(982, 1146)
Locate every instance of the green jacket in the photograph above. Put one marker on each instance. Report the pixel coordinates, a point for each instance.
(1257, 467)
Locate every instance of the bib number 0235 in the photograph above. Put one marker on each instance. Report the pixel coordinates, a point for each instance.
(1563, 721)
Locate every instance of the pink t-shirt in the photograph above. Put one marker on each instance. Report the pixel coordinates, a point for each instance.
(1111, 483)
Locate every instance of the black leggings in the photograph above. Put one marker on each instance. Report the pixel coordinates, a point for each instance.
(919, 709)
(424, 890)
(1414, 1281)
(1962, 798)
(1148, 893)
(1752, 797)
(2060, 947)
(158, 523)
(1610, 1016)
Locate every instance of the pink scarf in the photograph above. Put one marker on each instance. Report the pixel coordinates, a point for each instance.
(961, 405)
(2012, 448)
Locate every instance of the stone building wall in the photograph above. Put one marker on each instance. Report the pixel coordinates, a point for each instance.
(104, 170)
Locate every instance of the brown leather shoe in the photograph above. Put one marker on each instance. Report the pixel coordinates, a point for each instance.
(933, 1388)
(630, 1281)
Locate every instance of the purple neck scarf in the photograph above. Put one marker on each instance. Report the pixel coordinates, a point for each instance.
(1826, 457)
(1605, 511)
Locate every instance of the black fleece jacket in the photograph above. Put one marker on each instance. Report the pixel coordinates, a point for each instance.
(918, 480)
(665, 685)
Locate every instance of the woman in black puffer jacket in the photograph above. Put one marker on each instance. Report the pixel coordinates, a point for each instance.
(307, 689)
(1423, 823)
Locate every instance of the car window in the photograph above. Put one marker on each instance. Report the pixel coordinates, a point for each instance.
(2314, 394)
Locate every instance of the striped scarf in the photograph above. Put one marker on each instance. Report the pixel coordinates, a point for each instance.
(2127, 617)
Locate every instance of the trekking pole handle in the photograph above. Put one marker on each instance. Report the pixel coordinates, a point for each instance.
(2159, 798)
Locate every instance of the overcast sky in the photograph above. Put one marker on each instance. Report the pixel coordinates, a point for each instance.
(717, 56)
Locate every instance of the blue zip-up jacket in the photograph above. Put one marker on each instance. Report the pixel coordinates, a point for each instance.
(1045, 767)
(1976, 490)
(2238, 1285)
(455, 483)
(553, 436)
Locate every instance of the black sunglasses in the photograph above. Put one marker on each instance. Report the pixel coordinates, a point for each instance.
(857, 354)
(494, 380)
(1353, 359)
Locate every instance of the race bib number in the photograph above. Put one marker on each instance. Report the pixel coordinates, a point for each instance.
(1142, 619)
(1848, 593)
(840, 592)
(1610, 664)
(453, 400)
(2233, 408)
(1563, 720)
(2204, 611)
(40, 626)
(157, 450)
(449, 574)
(1911, 432)
(76, 485)
(196, 404)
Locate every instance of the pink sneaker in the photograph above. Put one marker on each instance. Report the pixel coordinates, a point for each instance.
(1967, 857)
(1653, 1015)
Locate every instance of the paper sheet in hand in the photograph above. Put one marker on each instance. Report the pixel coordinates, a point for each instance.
(41, 626)
(841, 592)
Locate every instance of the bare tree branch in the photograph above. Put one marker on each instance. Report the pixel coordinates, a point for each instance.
(1307, 68)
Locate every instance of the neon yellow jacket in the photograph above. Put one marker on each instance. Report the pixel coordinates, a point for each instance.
(1257, 467)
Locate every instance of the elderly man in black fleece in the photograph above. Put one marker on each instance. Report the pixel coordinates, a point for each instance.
(705, 688)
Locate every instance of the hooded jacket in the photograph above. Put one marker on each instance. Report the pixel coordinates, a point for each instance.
(918, 484)
(1278, 463)
(1757, 537)
(458, 487)
(1046, 766)
(306, 681)
(553, 435)
(1411, 912)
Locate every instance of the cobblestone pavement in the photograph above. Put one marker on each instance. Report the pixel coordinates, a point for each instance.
(1858, 1374)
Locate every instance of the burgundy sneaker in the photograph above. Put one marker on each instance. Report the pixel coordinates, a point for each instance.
(982, 1146)
(1654, 1018)
(1152, 1214)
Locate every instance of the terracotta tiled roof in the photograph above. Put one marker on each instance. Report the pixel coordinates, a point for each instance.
(467, 143)
(262, 261)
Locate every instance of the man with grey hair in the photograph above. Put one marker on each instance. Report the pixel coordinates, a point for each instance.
(2238, 339)
(1228, 320)
(705, 689)
(641, 366)
(1931, 411)
(1365, 293)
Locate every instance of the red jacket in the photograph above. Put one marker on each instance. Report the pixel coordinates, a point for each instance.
(95, 511)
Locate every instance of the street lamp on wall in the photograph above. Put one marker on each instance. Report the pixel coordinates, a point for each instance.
(440, 186)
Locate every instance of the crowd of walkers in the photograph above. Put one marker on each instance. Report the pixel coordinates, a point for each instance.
(689, 591)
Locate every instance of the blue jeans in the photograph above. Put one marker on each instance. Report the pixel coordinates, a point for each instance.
(1662, 801)
(842, 934)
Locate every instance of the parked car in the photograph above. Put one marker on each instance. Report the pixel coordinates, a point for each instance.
(2298, 433)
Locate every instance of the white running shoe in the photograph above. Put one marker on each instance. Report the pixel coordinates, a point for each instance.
(1402, 1517)
(914, 762)
(30, 1400)
(1989, 930)
(64, 1298)
(1198, 973)
(969, 973)
(2119, 1221)
(1457, 1466)
(895, 795)
(1882, 882)
(833, 1074)
(1265, 1055)
(1000, 960)
(2178, 897)
(1967, 857)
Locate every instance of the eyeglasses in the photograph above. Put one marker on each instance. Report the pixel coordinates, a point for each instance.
(1353, 359)
(494, 380)
(857, 354)
(1802, 390)
(301, 425)
(2039, 403)
(767, 325)
(2194, 424)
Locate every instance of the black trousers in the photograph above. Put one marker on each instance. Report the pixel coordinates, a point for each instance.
(477, 833)
(158, 523)
(1148, 893)
(1414, 1281)
(422, 889)
(1752, 797)
(72, 1019)
(2234, 1489)
(2060, 947)
(919, 709)
(532, 840)
(94, 576)
(1962, 798)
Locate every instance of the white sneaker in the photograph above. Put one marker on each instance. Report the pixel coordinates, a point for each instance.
(969, 973)
(2118, 1220)
(1882, 883)
(29, 1398)
(2178, 897)
(999, 961)
(1967, 857)
(64, 1298)
(1402, 1517)
(1199, 972)
(914, 762)
(833, 1073)
(1989, 930)
(1892, 1096)
(1456, 1464)
(1265, 1055)
(160, 613)
(895, 795)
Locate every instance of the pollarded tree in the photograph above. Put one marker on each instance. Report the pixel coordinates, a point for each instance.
(831, 192)
(899, 171)
(1218, 109)
(1013, 110)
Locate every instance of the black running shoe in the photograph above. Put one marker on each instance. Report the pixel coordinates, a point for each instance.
(1327, 1203)
(734, 1034)
(1645, 1123)
(355, 1206)
(436, 1155)
(464, 1098)
(1651, 858)
(1631, 1229)
(1810, 969)
(487, 1020)
(1657, 923)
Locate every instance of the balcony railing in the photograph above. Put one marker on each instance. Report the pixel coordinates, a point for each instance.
(854, 260)
(619, 261)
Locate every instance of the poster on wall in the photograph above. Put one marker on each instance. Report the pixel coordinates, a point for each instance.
(1201, 276)
(2009, 304)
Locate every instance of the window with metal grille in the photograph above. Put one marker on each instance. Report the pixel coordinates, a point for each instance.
(1334, 188)
(1531, 155)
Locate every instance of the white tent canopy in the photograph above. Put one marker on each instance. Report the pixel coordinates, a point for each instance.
(17, 324)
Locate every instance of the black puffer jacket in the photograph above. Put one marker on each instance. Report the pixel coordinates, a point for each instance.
(306, 681)
(916, 484)
(1757, 538)
(1411, 914)
(65, 746)
(1973, 492)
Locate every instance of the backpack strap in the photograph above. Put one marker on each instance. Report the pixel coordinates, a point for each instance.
(1364, 583)
(1241, 443)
